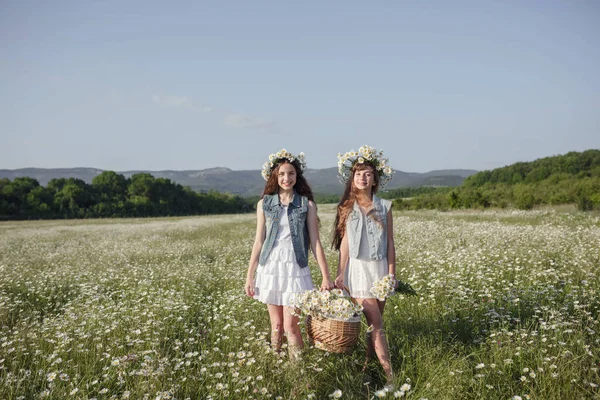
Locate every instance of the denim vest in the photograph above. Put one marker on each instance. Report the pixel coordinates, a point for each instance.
(376, 232)
(297, 213)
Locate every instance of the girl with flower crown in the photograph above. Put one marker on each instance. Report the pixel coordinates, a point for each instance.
(287, 225)
(363, 235)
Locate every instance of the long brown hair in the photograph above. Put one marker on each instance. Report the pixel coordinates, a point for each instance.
(347, 202)
(301, 186)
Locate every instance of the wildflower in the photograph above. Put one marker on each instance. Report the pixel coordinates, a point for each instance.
(51, 376)
(380, 393)
(337, 393)
(398, 394)
(73, 391)
(405, 388)
(480, 366)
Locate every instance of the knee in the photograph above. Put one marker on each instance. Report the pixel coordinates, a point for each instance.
(378, 333)
(376, 323)
(291, 327)
(277, 326)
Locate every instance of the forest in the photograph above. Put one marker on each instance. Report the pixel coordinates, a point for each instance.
(572, 178)
(111, 195)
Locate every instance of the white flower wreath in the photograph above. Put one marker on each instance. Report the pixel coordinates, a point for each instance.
(275, 158)
(366, 153)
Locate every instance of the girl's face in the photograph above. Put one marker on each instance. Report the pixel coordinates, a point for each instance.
(286, 176)
(364, 179)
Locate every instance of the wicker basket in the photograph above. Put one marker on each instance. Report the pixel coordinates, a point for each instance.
(333, 335)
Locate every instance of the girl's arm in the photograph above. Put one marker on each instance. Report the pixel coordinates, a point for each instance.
(259, 239)
(342, 263)
(391, 249)
(316, 247)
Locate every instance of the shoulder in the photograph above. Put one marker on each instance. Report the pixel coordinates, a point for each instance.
(260, 207)
(267, 199)
(386, 204)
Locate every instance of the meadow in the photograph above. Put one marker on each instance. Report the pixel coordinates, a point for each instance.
(507, 308)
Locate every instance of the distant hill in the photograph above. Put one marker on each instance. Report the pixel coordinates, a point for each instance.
(244, 182)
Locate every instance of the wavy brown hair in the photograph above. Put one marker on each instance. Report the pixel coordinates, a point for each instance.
(347, 202)
(301, 186)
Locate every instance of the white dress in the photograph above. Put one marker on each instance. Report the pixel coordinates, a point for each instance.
(281, 278)
(362, 272)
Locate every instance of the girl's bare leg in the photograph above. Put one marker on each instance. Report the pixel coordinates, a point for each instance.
(294, 336)
(373, 312)
(276, 316)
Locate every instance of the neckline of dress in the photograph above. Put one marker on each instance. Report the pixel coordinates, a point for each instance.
(285, 205)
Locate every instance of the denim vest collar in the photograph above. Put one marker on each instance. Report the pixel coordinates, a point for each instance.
(377, 205)
(296, 199)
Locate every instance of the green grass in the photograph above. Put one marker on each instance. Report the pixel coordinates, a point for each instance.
(508, 306)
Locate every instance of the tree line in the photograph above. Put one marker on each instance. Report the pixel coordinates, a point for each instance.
(111, 195)
(564, 179)
(572, 178)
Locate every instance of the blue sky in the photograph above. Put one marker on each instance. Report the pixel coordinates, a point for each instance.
(131, 85)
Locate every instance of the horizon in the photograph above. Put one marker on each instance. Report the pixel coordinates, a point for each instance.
(187, 86)
(211, 168)
(258, 169)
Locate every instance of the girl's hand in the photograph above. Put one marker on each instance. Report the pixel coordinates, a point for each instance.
(249, 287)
(326, 284)
(339, 282)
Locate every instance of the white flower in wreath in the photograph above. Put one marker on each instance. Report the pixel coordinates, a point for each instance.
(279, 156)
(365, 153)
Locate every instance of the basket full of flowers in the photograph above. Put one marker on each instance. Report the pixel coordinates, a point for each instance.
(332, 320)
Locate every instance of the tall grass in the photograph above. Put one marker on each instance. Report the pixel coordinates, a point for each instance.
(154, 309)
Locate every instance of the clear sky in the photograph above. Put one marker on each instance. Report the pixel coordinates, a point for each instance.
(153, 85)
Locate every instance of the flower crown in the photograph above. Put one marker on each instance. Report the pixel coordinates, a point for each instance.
(366, 153)
(276, 158)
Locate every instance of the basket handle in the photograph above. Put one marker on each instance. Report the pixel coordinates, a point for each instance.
(351, 298)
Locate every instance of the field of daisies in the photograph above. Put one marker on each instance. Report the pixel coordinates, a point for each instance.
(507, 308)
